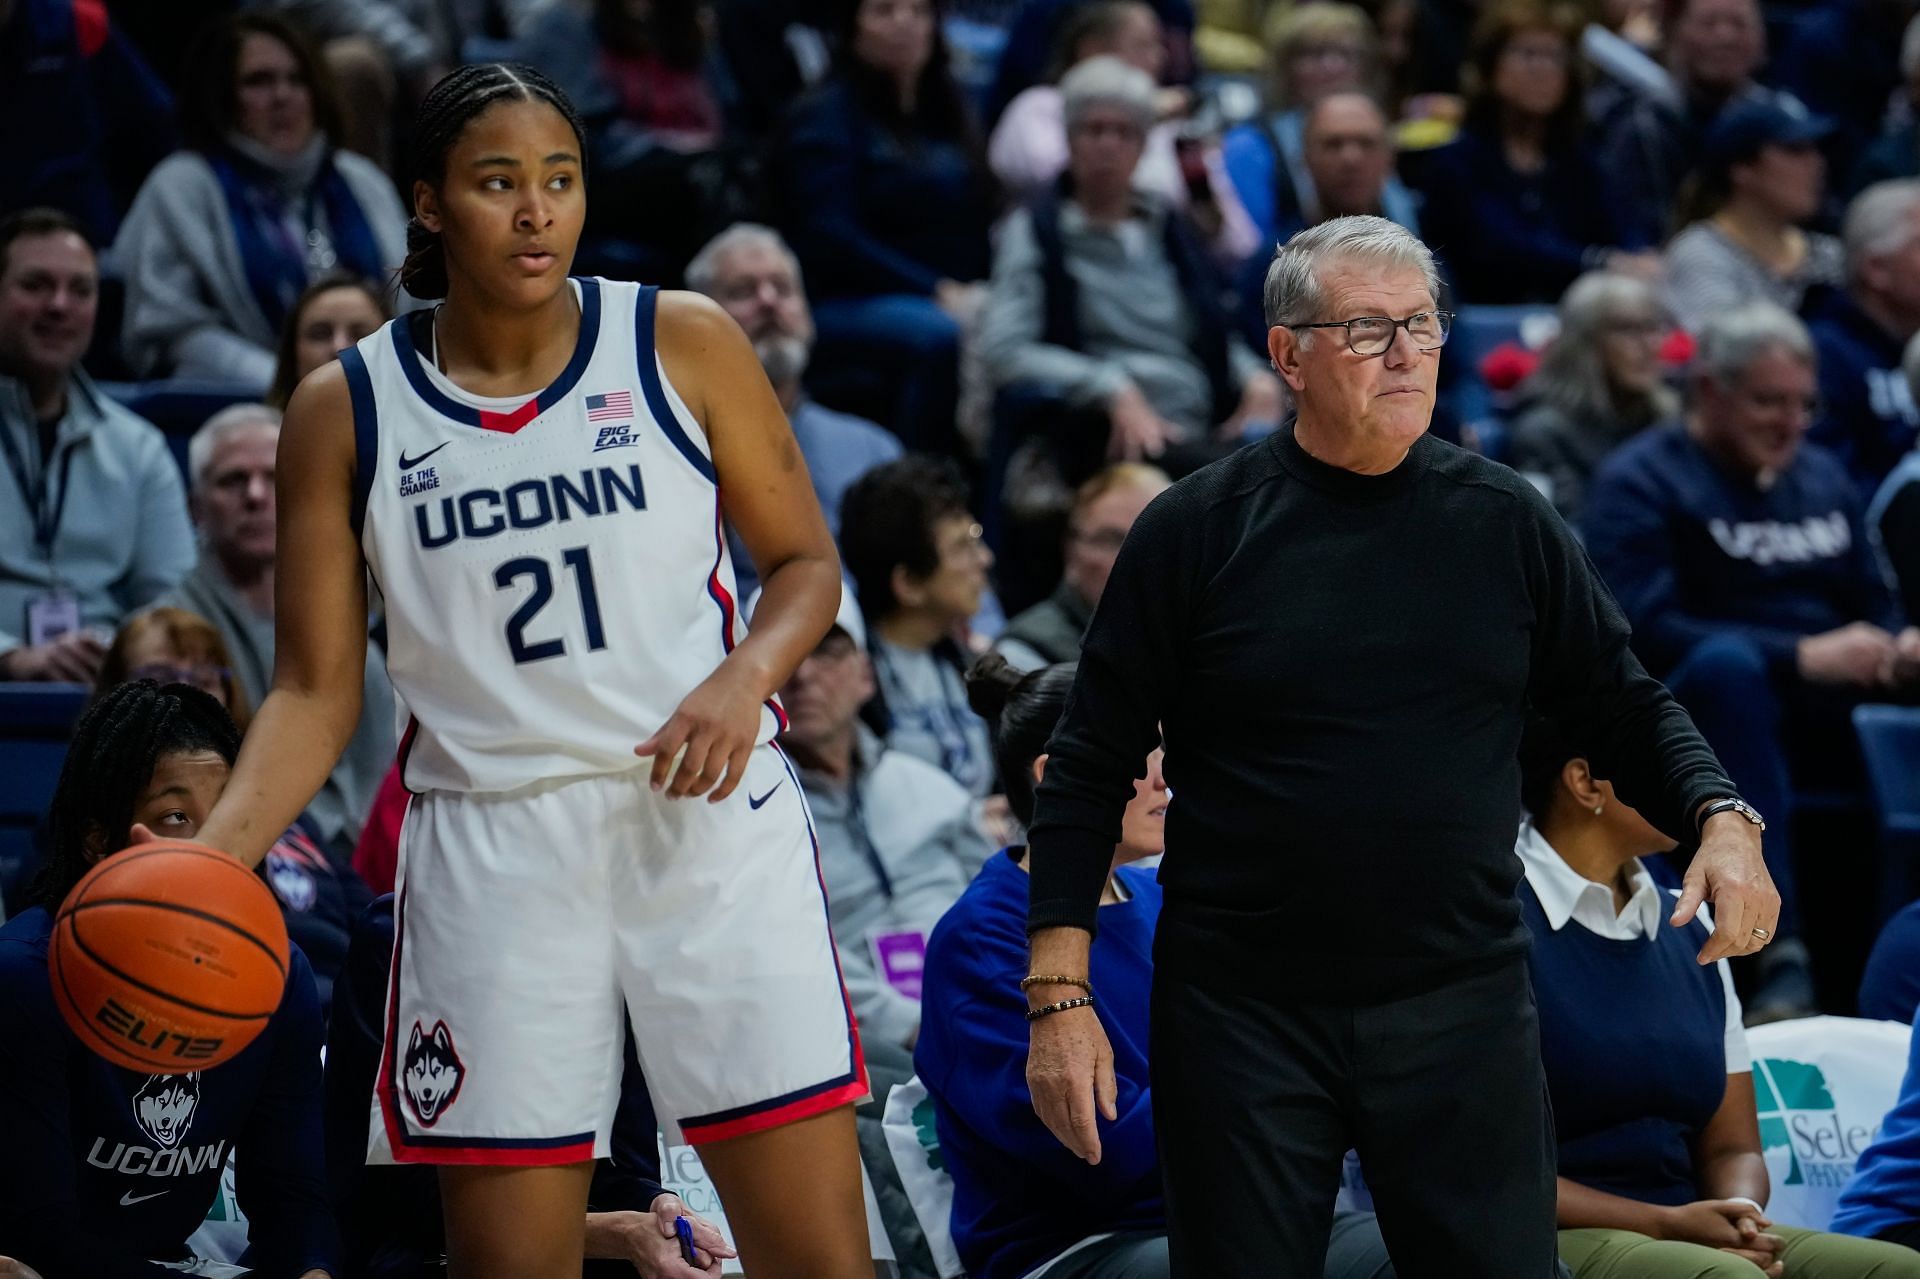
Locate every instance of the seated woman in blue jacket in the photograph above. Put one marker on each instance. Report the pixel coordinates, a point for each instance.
(1021, 1200)
(1661, 1174)
(108, 1172)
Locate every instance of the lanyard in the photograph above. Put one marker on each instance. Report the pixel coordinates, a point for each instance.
(857, 818)
(38, 494)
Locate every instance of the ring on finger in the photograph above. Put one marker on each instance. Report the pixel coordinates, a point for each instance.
(1762, 935)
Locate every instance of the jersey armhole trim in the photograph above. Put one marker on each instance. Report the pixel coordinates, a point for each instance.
(646, 357)
(366, 433)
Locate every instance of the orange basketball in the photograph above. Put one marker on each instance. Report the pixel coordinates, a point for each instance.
(168, 957)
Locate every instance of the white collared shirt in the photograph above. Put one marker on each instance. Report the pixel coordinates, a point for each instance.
(1568, 896)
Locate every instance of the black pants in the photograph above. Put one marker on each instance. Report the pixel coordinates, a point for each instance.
(1256, 1103)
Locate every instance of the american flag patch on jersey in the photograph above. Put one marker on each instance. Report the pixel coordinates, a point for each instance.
(612, 406)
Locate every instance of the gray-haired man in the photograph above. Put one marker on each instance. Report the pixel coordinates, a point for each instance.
(1340, 631)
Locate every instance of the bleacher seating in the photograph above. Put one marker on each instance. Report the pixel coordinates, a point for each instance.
(178, 406)
(1890, 742)
(35, 720)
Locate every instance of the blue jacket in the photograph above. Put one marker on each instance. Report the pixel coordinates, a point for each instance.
(1885, 1190)
(100, 118)
(1019, 1196)
(1870, 420)
(109, 1171)
(871, 214)
(1692, 551)
(1507, 237)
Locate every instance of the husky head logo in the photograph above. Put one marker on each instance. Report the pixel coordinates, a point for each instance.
(292, 883)
(164, 1107)
(431, 1072)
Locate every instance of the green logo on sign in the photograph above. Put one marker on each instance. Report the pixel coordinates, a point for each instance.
(1780, 1086)
(929, 1139)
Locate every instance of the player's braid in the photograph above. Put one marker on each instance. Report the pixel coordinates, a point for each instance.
(110, 761)
(458, 97)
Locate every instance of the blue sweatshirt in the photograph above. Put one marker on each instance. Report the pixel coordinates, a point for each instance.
(1885, 1190)
(1019, 1196)
(1692, 550)
(1870, 419)
(109, 1171)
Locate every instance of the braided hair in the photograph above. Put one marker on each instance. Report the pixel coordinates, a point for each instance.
(119, 741)
(460, 97)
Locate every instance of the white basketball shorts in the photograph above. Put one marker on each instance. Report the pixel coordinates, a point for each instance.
(529, 925)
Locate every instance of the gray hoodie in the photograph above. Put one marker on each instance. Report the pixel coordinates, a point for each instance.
(123, 536)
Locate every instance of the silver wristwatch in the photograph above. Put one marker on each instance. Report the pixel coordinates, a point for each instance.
(1730, 805)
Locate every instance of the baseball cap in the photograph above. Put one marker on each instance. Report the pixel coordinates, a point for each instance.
(1772, 119)
(847, 617)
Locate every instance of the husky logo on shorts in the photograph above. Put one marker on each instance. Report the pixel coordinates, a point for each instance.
(164, 1107)
(431, 1072)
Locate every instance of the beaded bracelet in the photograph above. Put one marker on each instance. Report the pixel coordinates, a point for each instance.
(1047, 1010)
(1047, 979)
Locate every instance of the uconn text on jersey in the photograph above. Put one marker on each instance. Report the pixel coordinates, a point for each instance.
(534, 503)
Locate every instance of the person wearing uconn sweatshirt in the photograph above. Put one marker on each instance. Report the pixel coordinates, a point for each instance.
(1339, 630)
(1739, 554)
(1022, 1204)
(109, 1171)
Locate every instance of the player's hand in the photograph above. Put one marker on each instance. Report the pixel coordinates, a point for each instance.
(705, 746)
(1729, 872)
(1070, 1072)
(11, 1269)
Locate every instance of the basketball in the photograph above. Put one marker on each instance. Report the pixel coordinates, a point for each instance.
(168, 958)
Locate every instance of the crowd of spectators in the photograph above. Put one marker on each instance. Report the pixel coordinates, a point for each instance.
(1003, 267)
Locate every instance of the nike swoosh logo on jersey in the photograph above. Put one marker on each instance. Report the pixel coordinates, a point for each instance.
(755, 803)
(408, 463)
(129, 1199)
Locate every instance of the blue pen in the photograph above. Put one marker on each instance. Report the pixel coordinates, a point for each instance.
(683, 1230)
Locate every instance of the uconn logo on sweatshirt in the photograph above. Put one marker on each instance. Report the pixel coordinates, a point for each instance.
(1764, 542)
(164, 1109)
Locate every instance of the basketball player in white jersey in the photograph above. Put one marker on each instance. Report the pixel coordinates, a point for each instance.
(534, 473)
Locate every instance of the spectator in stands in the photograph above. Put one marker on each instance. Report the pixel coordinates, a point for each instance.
(1104, 508)
(390, 1217)
(1020, 1198)
(1890, 985)
(95, 523)
(1843, 60)
(1869, 418)
(917, 561)
(888, 200)
(1348, 152)
(1598, 384)
(334, 312)
(1028, 150)
(81, 1192)
(224, 237)
(1650, 140)
(774, 51)
(100, 116)
(1739, 555)
(1882, 1201)
(1516, 206)
(1318, 49)
(1895, 153)
(749, 270)
(897, 838)
(1105, 297)
(1893, 517)
(1760, 178)
(1661, 1175)
(231, 465)
(318, 892)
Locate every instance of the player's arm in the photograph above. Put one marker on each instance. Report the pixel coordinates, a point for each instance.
(320, 628)
(768, 497)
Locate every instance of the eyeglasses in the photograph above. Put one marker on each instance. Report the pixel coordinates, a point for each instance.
(1100, 539)
(1373, 334)
(968, 543)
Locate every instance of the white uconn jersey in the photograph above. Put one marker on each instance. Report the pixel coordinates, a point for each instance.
(553, 568)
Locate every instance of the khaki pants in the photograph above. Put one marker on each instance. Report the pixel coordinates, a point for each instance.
(1810, 1254)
